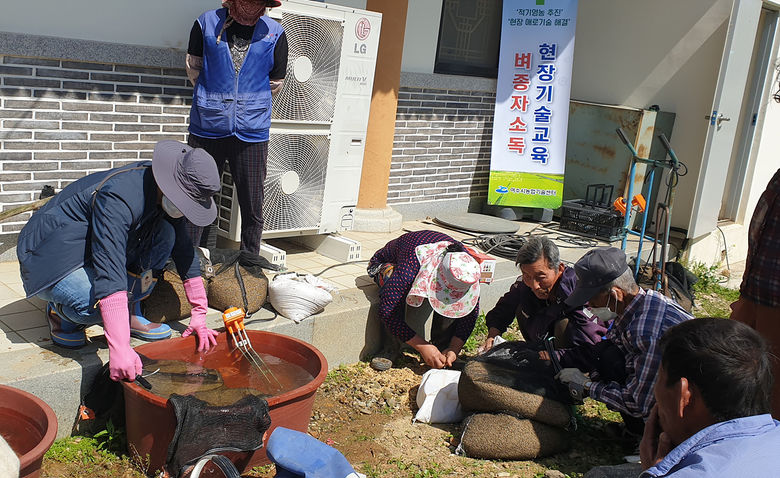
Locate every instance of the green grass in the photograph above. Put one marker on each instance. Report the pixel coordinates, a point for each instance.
(480, 333)
(83, 450)
(338, 375)
(263, 469)
(88, 456)
(370, 471)
(477, 336)
(112, 438)
(715, 302)
(412, 470)
(712, 298)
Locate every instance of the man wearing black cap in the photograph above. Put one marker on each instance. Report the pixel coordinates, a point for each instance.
(606, 283)
(92, 251)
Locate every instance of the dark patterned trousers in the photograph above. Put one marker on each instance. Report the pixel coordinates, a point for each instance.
(248, 168)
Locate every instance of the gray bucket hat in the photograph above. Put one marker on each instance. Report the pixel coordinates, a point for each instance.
(189, 178)
(597, 268)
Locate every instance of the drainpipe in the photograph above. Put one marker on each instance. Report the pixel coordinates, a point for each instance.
(373, 214)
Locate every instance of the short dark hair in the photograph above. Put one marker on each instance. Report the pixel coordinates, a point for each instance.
(537, 247)
(729, 363)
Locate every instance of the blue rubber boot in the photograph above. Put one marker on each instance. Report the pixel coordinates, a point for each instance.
(64, 332)
(144, 329)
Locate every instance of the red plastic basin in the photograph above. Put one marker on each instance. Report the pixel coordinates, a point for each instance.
(29, 426)
(151, 421)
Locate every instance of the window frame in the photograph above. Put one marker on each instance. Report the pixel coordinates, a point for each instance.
(449, 68)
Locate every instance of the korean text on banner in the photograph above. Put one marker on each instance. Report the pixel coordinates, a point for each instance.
(532, 103)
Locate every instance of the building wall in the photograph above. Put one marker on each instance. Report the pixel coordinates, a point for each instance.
(138, 22)
(422, 36)
(671, 60)
(621, 61)
(627, 52)
(71, 109)
(441, 149)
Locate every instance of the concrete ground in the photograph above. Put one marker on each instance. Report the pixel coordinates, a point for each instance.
(347, 331)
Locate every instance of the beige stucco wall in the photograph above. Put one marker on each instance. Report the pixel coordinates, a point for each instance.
(630, 52)
(422, 33)
(137, 22)
(624, 57)
(361, 4)
(625, 54)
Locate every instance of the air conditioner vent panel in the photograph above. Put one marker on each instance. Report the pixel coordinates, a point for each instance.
(314, 53)
(302, 156)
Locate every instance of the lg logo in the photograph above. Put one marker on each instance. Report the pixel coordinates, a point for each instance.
(362, 29)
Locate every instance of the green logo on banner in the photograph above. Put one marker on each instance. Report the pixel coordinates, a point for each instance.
(512, 188)
(540, 2)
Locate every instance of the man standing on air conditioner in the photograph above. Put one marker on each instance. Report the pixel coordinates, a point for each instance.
(236, 59)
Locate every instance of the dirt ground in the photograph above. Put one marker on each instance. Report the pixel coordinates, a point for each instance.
(367, 415)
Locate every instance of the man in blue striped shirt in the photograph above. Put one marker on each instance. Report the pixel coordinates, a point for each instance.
(712, 404)
(605, 282)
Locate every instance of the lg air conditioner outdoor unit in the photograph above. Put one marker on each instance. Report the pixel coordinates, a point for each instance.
(319, 121)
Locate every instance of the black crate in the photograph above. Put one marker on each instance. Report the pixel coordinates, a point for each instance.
(592, 221)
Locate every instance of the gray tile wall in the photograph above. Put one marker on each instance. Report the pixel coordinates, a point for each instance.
(62, 119)
(441, 149)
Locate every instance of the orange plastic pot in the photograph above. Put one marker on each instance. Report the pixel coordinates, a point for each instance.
(151, 421)
(29, 426)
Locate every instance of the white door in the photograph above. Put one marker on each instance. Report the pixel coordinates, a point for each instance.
(726, 106)
(757, 96)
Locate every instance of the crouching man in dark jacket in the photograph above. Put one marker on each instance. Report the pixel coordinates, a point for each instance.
(93, 250)
(537, 300)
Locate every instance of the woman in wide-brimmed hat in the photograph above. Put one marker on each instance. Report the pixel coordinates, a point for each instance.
(420, 266)
(93, 251)
(236, 59)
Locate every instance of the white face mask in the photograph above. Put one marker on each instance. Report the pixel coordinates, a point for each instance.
(605, 314)
(170, 209)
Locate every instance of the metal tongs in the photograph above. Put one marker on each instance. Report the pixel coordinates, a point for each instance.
(234, 324)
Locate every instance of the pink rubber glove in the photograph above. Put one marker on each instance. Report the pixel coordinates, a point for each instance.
(123, 362)
(196, 294)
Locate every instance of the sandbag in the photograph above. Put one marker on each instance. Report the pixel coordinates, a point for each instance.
(505, 437)
(437, 397)
(168, 301)
(225, 289)
(236, 279)
(297, 297)
(486, 387)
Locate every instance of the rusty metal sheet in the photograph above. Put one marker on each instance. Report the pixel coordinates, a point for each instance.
(595, 154)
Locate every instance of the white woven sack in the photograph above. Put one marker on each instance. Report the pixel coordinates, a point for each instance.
(437, 397)
(297, 297)
(9, 462)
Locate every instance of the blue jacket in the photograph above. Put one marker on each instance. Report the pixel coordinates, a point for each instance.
(748, 447)
(223, 105)
(78, 227)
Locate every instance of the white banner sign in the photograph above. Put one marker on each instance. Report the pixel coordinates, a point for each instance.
(532, 103)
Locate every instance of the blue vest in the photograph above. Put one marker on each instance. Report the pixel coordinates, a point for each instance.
(223, 105)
